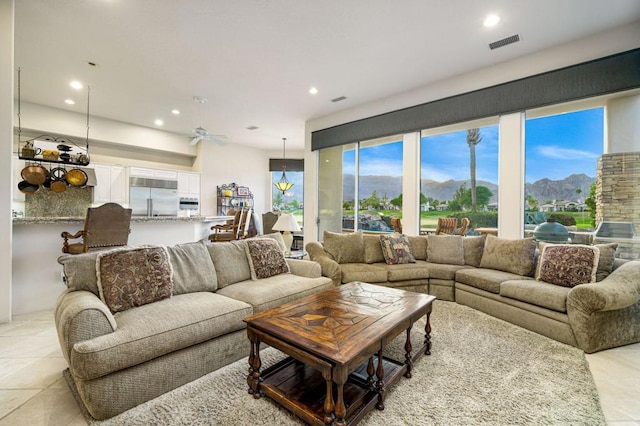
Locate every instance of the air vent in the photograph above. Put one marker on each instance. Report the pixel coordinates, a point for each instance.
(338, 99)
(505, 41)
(252, 128)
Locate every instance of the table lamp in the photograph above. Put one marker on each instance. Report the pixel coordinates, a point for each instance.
(287, 223)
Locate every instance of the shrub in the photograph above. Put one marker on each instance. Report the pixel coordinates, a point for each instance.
(479, 219)
(563, 219)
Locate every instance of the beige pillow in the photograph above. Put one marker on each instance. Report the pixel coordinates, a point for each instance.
(133, 277)
(607, 257)
(265, 258)
(567, 265)
(372, 249)
(344, 248)
(473, 247)
(230, 261)
(278, 238)
(418, 247)
(193, 269)
(446, 249)
(80, 271)
(515, 256)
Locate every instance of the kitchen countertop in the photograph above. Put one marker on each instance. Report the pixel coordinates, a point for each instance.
(134, 219)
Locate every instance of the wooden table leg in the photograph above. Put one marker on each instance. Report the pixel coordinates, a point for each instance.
(254, 379)
(371, 370)
(427, 334)
(407, 354)
(380, 383)
(329, 407)
(340, 378)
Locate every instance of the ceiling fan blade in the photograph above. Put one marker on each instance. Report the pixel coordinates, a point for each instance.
(195, 140)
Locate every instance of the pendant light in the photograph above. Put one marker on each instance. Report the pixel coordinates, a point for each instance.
(283, 184)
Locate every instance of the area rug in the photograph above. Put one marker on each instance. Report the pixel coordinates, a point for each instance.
(482, 371)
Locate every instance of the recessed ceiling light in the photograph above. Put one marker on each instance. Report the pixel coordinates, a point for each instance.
(69, 102)
(76, 84)
(491, 20)
(313, 91)
(158, 122)
(175, 112)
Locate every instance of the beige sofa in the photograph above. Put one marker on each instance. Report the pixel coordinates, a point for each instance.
(117, 361)
(497, 276)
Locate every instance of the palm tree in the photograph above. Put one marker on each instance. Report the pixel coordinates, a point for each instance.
(473, 139)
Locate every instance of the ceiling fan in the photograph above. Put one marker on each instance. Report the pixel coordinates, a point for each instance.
(200, 133)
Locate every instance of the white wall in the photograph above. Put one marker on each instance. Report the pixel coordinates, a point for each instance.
(590, 48)
(6, 132)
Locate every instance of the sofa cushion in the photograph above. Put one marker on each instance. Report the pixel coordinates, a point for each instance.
(230, 261)
(344, 248)
(567, 265)
(473, 248)
(396, 249)
(363, 272)
(606, 260)
(372, 249)
(193, 268)
(537, 293)
(445, 249)
(80, 271)
(443, 271)
(515, 256)
(265, 258)
(277, 237)
(274, 291)
(156, 329)
(486, 279)
(133, 277)
(407, 271)
(418, 247)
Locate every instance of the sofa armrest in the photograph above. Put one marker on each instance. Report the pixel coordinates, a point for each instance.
(81, 315)
(330, 268)
(305, 268)
(619, 290)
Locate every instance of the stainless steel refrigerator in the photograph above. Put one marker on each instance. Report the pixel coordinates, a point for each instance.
(153, 197)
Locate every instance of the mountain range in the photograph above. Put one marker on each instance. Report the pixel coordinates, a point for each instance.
(542, 190)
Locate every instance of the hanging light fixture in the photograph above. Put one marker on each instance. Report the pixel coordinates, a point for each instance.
(283, 184)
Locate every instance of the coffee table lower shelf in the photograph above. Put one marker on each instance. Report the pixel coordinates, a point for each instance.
(301, 389)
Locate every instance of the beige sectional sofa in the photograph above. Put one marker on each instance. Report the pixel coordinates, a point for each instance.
(119, 360)
(498, 276)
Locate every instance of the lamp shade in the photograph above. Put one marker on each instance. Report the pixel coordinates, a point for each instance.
(286, 222)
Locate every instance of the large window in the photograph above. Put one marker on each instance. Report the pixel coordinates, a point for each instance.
(459, 175)
(292, 200)
(561, 158)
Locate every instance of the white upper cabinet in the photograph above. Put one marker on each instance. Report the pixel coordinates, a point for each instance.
(112, 185)
(189, 184)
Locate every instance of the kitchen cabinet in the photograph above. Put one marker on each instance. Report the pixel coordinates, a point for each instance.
(112, 185)
(153, 173)
(189, 184)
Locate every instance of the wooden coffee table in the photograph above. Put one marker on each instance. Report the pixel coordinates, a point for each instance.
(336, 370)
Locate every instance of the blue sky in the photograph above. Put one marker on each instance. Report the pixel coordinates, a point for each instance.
(556, 147)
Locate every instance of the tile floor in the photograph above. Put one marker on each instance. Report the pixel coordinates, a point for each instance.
(33, 392)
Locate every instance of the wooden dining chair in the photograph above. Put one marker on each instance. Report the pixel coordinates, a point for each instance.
(227, 231)
(447, 225)
(106, 226)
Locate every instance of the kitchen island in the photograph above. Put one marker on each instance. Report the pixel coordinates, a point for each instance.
(37, 276)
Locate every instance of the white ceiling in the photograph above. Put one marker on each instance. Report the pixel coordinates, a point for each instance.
(255, 60)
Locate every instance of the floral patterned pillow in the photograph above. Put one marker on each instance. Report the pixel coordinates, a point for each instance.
(265, 258)
(396, 249)
(568, 265)
(134, 277)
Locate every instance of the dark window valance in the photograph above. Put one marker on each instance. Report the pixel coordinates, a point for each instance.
(293, 165)
(602, 76)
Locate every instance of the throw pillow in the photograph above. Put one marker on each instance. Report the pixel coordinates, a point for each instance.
(607, 257)
(418, 247)
(134, 277)
(193, 268)
(372, 249)
(473, 247)
(515, 256)
(344, 248)
(396, 249)
(445, 249)
(567, 265)
(265, 258)
(230, 261)
(80, 271)
(278, 238)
